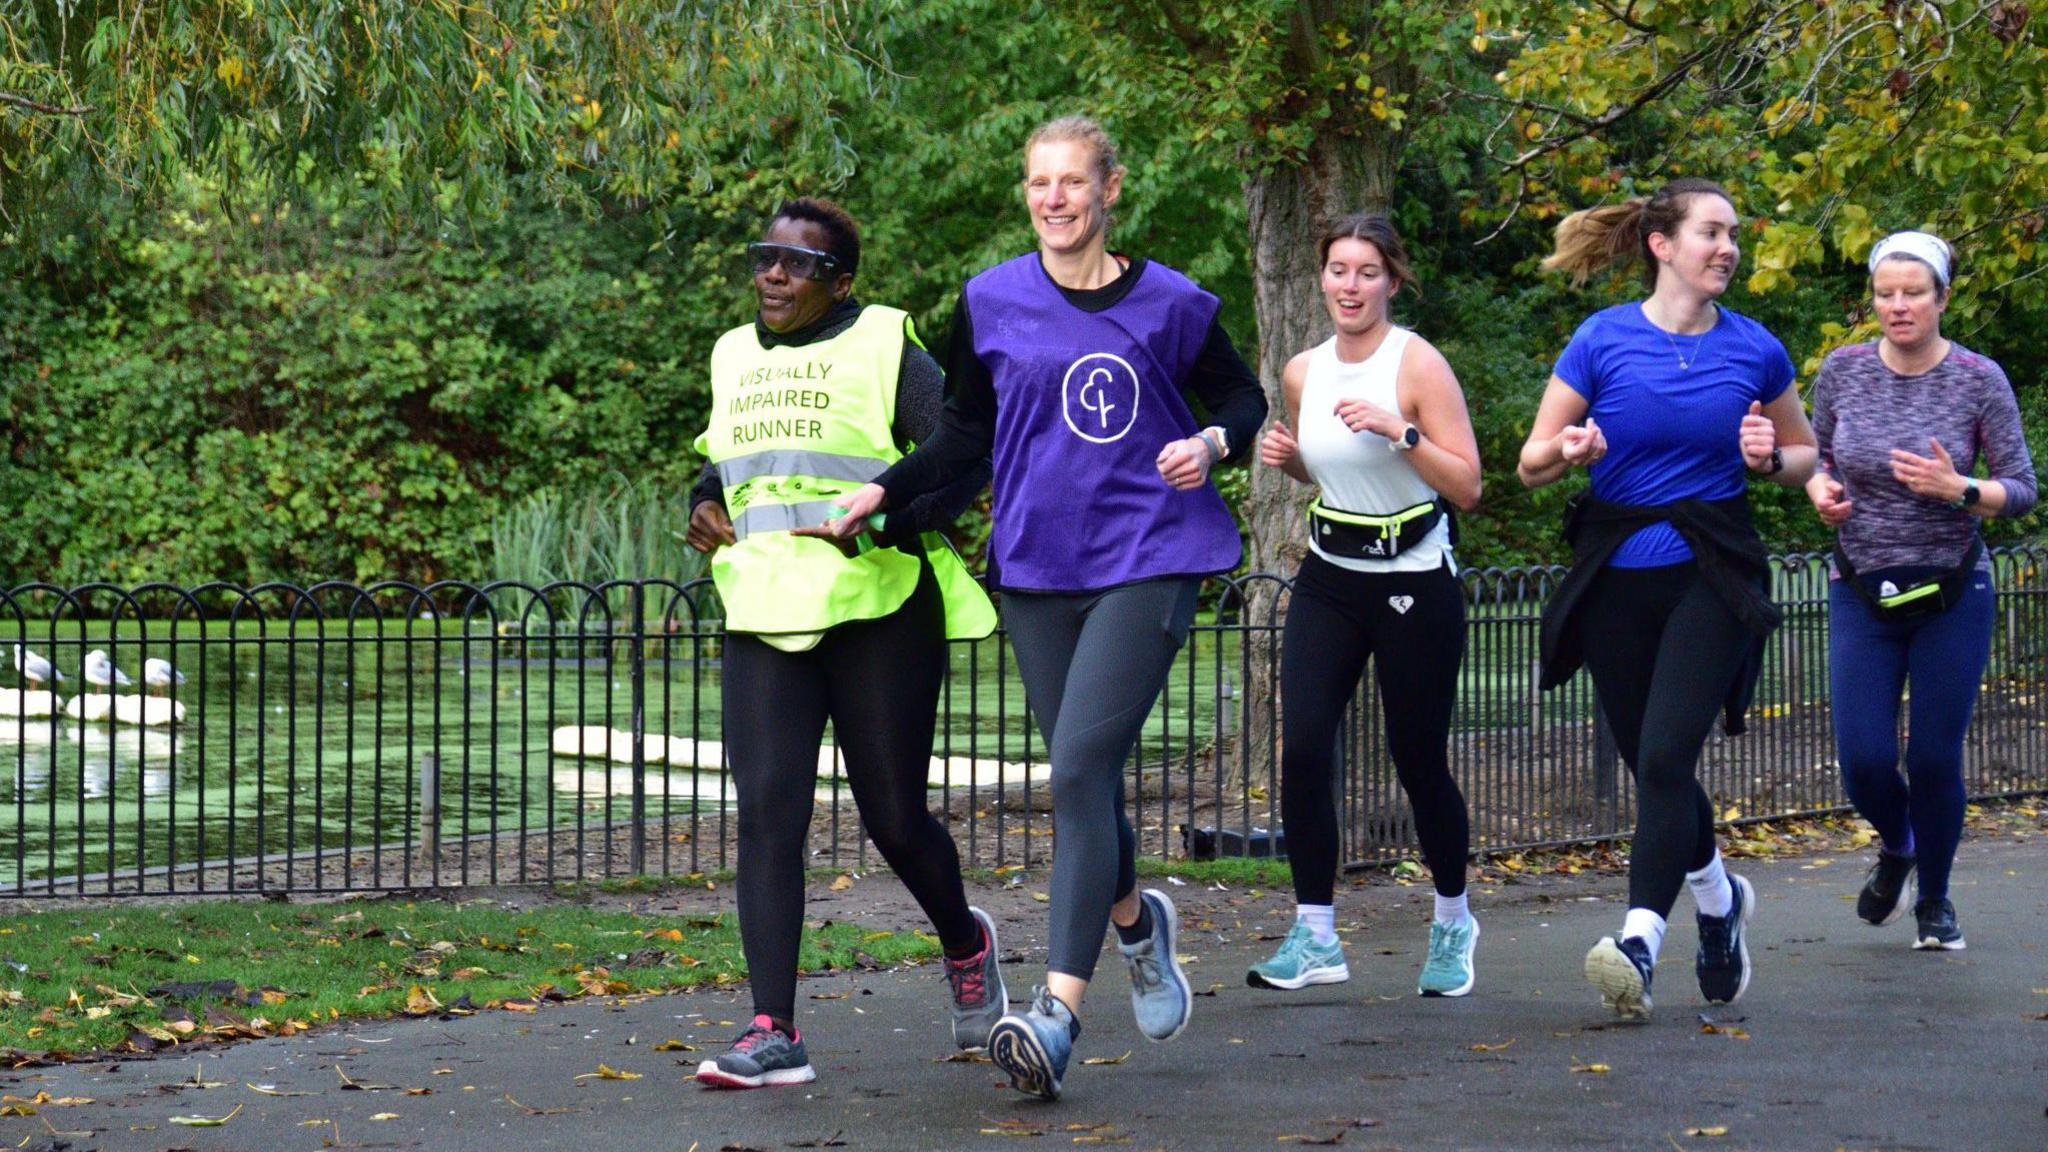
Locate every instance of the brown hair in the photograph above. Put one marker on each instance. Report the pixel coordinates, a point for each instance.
(1594, 240)
(1375, 229)
(1081, 129)
(841, 233)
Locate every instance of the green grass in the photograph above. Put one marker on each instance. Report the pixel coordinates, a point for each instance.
(82, 981)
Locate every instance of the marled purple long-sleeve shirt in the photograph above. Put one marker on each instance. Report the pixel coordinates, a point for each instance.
(1862, 410)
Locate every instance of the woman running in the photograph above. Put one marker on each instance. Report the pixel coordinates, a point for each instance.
(1667, 602)
(1070, 363)
(1902, 423)
(814, 398)
(1383, 432)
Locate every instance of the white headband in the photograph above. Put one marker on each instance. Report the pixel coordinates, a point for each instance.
(1921, 246)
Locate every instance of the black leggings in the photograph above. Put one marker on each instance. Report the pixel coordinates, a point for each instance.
(878, 681)
(1413, 625)
(1664, 649)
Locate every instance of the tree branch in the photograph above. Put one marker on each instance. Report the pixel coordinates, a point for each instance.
(41, 109)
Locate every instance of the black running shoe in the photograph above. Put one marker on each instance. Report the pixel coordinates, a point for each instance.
(1936, 929)
(1622, 973)
(1723, 960)
(1883, 898)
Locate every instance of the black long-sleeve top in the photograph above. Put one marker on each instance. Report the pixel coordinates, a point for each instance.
(1221, 383)
(920, 395)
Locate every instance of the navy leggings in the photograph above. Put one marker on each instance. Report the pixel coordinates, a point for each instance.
(1869, 663)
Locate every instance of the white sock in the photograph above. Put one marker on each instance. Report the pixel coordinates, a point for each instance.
(1645, 925)
(1320, 918)
(1710, 888)
(1452, 909)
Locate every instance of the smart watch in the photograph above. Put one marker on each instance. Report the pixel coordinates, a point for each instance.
(1407, 440)
(1971, 494)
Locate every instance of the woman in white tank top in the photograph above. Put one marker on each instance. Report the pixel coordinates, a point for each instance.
(1385, 436)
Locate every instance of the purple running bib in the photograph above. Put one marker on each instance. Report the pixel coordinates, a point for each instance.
(1084, 403)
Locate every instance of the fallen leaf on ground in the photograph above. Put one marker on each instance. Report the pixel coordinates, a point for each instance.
(832, 1141)
(274, 1090)
(385, 1116)
(1594, 1069)
(674, 1046)
(1716, 1130)
(607, 1072)
(1501, 1047)
(1013, 1128)
(205, 1121)
(842, 882)
(1107, 1059)
(1728, 1030)
(1336, 1137)
(420, 1002)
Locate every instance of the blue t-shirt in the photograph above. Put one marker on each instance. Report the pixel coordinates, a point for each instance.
(1672, 433)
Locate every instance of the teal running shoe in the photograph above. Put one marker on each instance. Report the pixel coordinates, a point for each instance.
(1448, 971)
(1301, 962)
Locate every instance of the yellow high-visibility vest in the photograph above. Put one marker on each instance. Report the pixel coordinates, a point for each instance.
(792, 430)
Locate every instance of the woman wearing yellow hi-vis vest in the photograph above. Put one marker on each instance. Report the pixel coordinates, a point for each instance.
(811, 401)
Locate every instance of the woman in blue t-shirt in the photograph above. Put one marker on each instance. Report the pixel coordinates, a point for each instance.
(1668, 403)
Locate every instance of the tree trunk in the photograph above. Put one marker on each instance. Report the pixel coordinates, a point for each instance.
(1287, 209)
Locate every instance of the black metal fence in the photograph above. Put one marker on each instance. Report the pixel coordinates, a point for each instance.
(335, 737)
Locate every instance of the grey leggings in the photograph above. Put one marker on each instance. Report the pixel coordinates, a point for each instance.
(1093, 663)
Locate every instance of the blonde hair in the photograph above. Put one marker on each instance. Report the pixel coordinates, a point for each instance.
(1595, 240)
(1083, 130)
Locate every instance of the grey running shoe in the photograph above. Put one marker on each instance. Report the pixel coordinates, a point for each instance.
(1034, 1048)
(1160, 999)
(1935, 928)
(760, 1058)
(1886, 890)
(1622, 973)
(1723, 959)
(979, 998)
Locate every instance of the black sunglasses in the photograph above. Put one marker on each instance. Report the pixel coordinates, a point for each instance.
(804, 263)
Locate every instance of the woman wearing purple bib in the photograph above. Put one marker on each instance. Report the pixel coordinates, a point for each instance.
(1068, 367)
(1667, 603)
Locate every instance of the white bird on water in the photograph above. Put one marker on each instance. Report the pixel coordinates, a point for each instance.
(101, 671)
(158, 673)
(34, 668)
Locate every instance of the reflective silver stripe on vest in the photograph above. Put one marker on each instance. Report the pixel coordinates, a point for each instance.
(782, 517)
(795, 462)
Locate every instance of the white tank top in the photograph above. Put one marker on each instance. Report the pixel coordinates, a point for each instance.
(1360, 472)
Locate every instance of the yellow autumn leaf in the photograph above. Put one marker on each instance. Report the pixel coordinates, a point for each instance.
(842, 883)
(1592, 1069)
(607, 1072)
(1716, 1130)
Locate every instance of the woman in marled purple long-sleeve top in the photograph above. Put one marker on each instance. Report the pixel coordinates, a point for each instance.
(1903, 424)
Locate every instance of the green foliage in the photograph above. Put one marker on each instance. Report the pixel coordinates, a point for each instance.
(396, 355)
(429, 109)
(306, 397)
(633, 530)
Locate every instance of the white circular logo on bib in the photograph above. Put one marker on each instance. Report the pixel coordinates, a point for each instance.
(1100, 397)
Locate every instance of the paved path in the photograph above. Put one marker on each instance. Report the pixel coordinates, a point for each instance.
(1846, 1040)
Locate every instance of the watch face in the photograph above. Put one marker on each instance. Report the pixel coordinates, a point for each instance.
(1411, 436)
